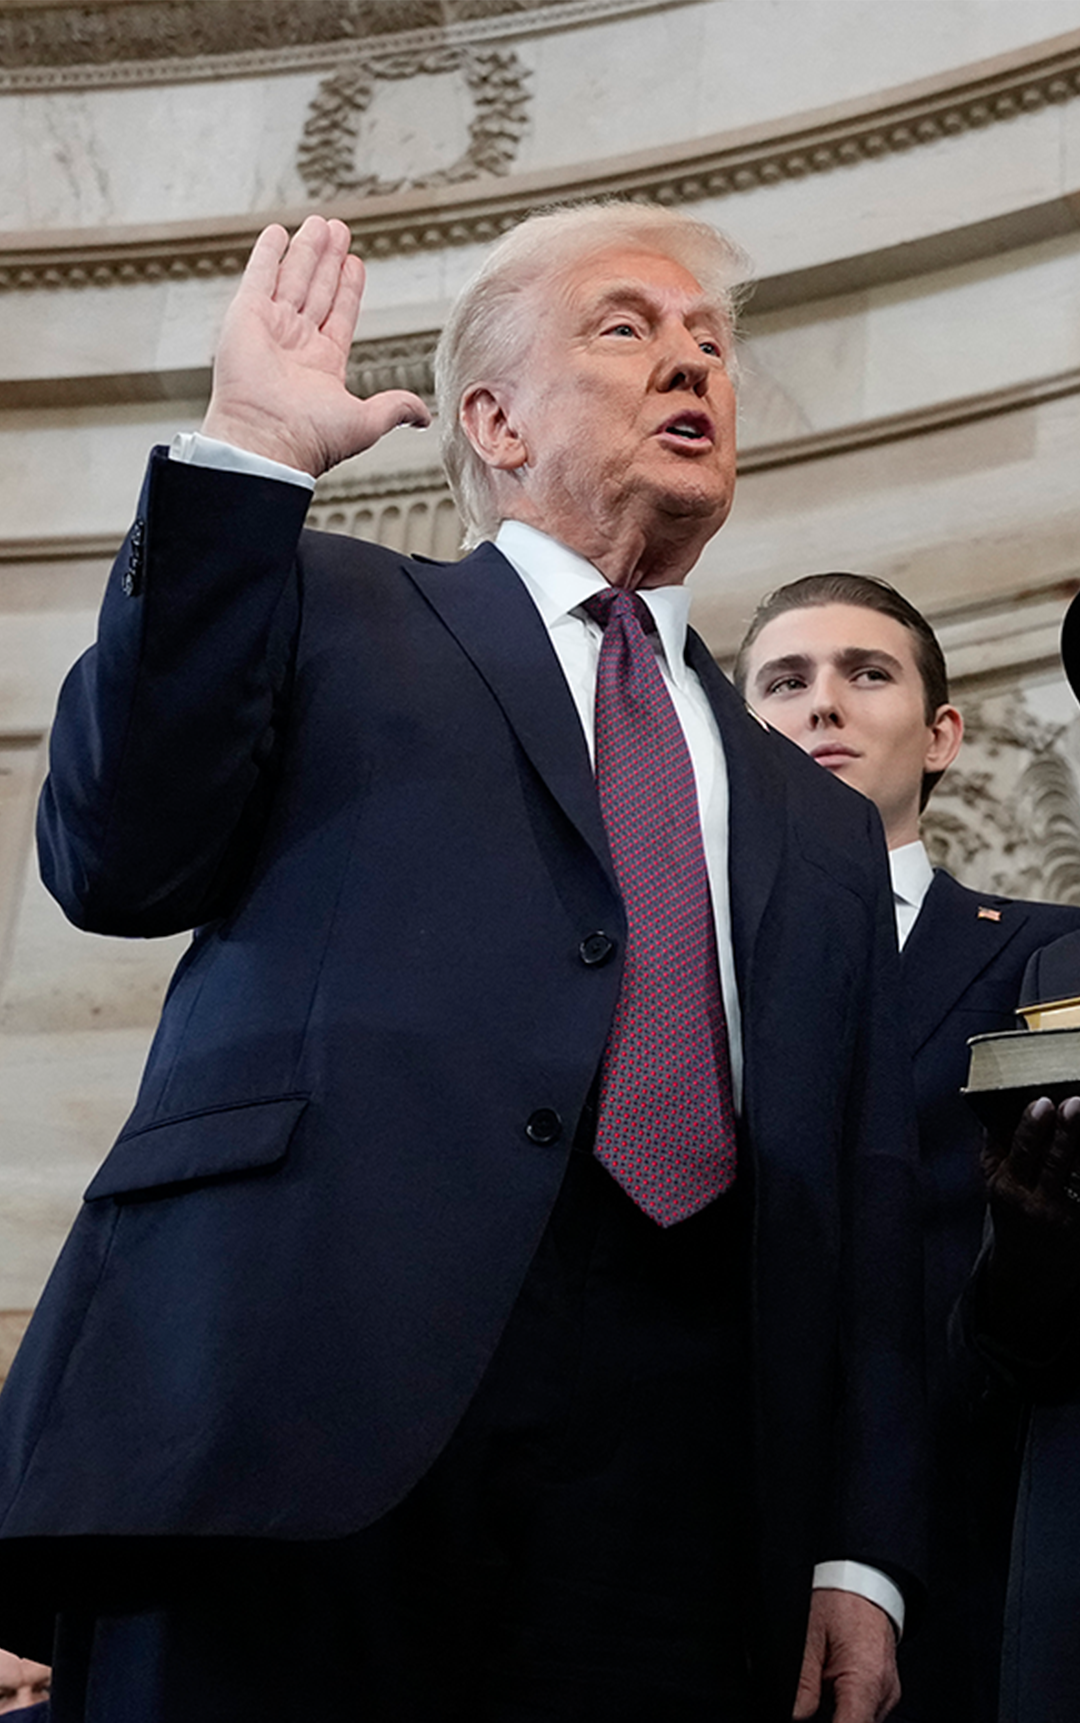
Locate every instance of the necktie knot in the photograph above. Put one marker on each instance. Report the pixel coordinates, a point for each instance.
(616, 601)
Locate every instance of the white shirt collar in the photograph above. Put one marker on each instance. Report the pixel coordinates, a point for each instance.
(912, 875)
(558, 580)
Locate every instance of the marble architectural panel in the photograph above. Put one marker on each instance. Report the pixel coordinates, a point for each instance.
(36, 651)
(77, 471)
(22, 768)
(59, 980)
(147, 155)
(144, 330)
(761, 59)
(994, 324)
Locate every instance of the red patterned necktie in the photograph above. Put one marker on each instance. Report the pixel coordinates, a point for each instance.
(666, 1126)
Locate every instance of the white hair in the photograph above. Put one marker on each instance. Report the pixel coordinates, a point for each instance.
(485, 336)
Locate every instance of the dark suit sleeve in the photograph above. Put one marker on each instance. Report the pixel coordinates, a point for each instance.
(166, 734)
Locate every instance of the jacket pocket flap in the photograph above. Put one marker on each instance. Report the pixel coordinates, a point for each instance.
(210, 1144)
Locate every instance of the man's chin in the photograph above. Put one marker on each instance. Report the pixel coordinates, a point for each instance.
(693, 503)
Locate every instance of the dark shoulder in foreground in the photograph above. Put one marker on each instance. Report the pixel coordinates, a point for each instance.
(835, 826)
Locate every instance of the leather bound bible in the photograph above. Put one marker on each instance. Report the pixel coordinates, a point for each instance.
(1014, 1067)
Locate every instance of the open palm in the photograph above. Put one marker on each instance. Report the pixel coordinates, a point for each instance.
(279, 372)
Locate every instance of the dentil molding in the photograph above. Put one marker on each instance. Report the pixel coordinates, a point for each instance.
(476, 211)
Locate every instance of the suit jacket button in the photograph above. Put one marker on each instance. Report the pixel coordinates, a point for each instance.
(544, 1126)
(595, 948)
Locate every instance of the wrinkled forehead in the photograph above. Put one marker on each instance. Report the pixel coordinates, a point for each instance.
(613, 272)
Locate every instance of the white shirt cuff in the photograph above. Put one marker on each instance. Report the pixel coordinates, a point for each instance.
(868, 1582)
(200, 451)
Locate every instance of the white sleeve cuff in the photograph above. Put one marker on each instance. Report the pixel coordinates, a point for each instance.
(868, 1582)
(200, 451)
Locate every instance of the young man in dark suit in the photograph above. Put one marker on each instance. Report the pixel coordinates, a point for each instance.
(845, 667)
(503, 1284)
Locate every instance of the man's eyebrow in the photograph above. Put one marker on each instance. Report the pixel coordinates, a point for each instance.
(845, 658)
(631, 292)
(850, 657)
(791, 664)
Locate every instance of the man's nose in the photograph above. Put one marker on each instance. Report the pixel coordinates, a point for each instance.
(684, 365)
(825, 708)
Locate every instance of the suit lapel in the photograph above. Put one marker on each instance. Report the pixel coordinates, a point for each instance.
(757, 818)
(489, 612)
(947, 948)
(491, 615)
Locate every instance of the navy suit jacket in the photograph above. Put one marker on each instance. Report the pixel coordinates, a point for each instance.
(361, 777)
(962, 971)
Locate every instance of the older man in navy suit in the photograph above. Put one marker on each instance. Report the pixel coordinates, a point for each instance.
(507, 1280)
(847, 668)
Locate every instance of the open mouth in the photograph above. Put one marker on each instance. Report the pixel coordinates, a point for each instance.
(689, 427)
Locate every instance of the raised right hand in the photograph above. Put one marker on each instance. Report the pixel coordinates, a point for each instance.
(279, 371)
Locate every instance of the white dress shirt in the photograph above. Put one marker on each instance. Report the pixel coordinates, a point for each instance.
(559, 581)
(912, 877)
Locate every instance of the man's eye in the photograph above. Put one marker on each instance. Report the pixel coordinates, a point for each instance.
(622, 329)
(785, 685)
(712, 348)
(873, 673)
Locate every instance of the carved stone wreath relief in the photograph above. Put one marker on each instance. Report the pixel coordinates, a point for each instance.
(331, 154)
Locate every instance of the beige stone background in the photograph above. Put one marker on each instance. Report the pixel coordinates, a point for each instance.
(906, 176)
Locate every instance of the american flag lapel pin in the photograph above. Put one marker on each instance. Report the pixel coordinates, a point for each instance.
(984, 913)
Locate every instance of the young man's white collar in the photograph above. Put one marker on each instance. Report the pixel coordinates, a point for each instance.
(912, 877)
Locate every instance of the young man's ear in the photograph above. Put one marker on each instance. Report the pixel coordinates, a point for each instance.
(486, 421)
(946, 735)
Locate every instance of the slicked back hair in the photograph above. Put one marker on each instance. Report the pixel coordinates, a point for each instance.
(865, 592)
(490, 327)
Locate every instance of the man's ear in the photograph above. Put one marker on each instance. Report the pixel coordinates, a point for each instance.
(486, 422)
(946, 735)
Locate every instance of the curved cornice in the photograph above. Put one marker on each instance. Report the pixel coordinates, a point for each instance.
(62, 46)
(477, 211)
